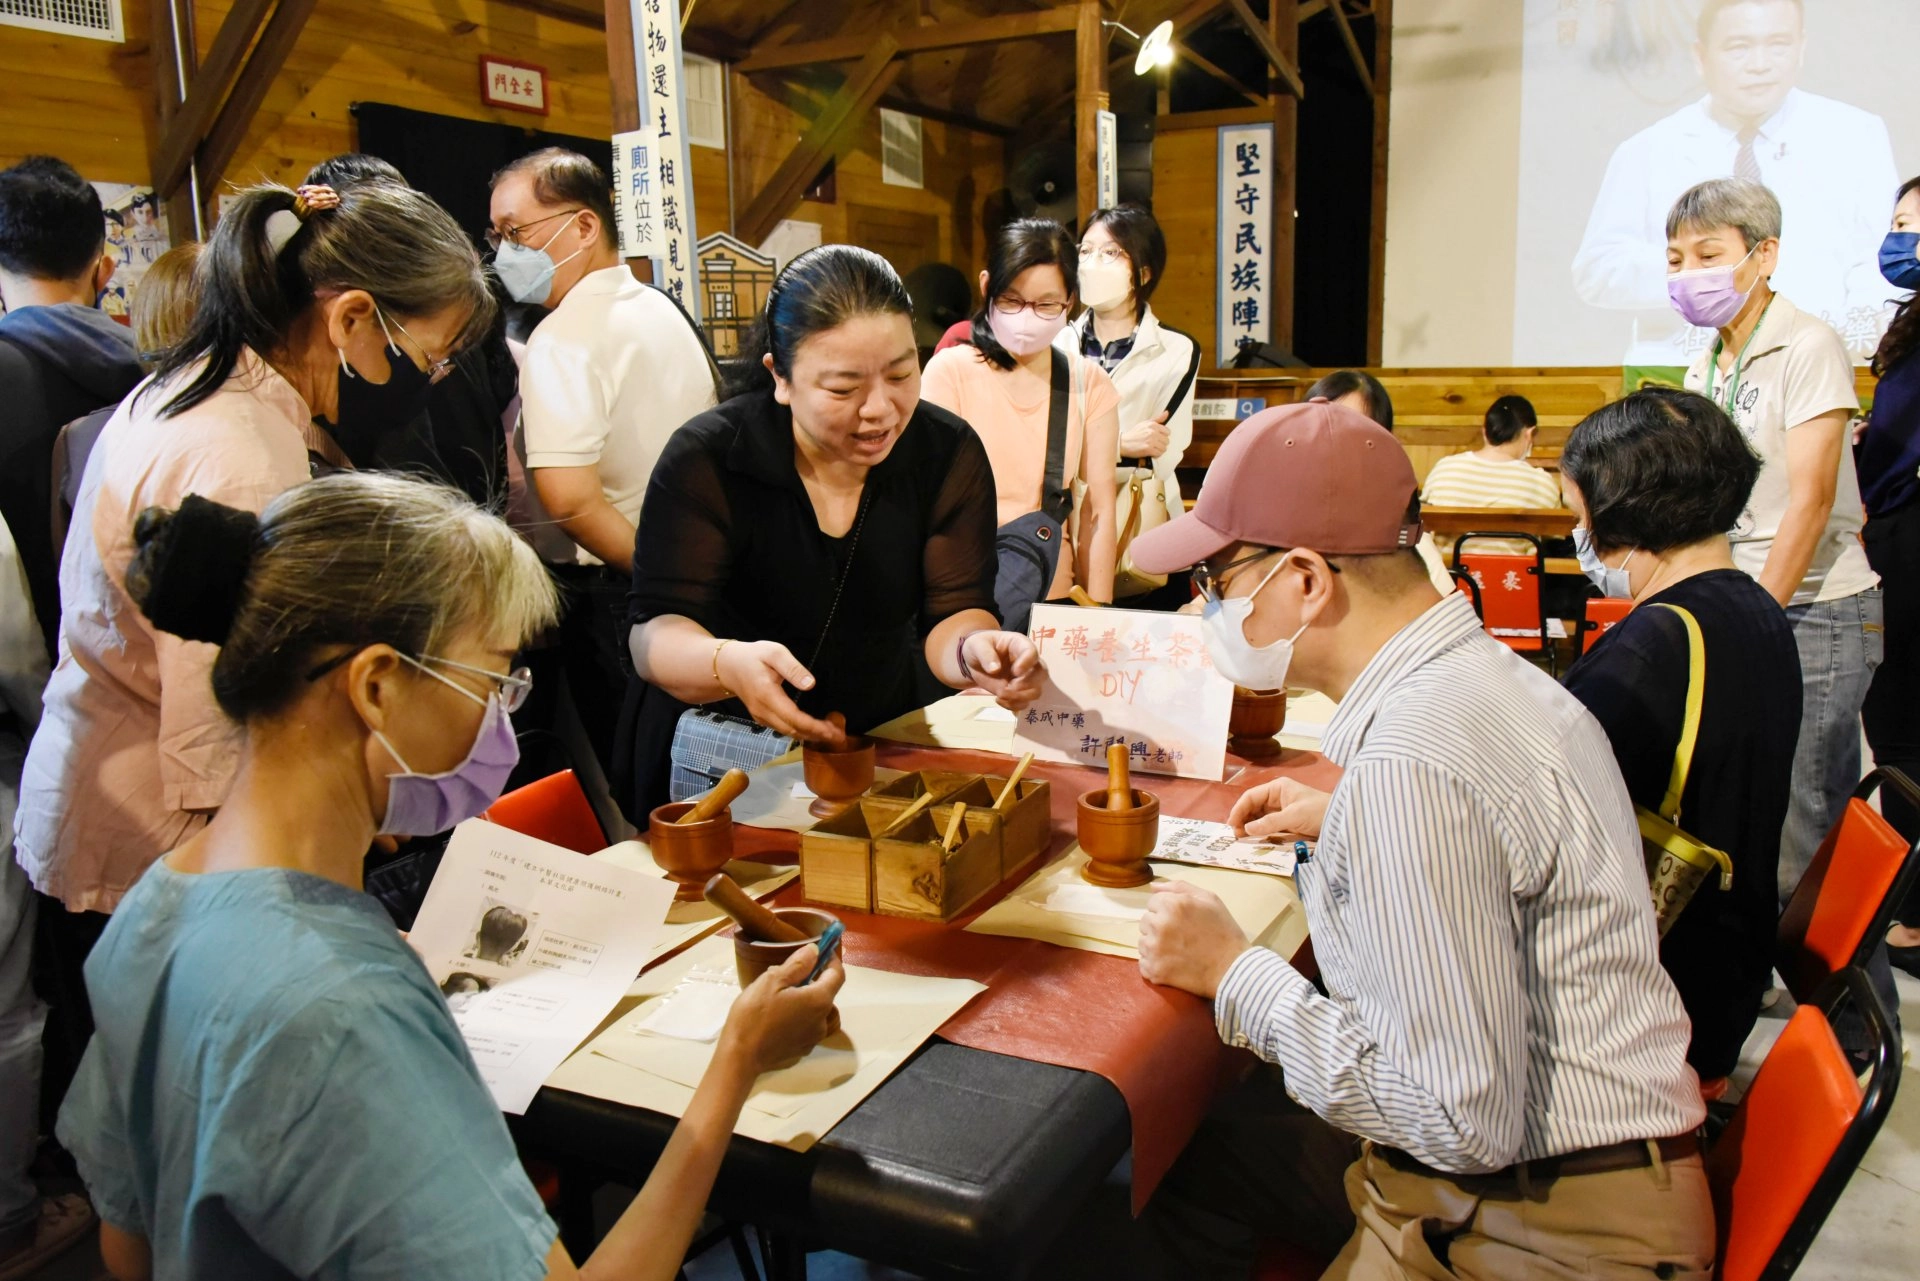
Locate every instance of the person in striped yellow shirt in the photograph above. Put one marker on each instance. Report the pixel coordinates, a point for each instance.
(1497, 474)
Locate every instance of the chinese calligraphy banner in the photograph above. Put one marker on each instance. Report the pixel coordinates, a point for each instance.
(1107, 159)
(656, 57)
(1245, 286)
(635, 210)
(1132, 676)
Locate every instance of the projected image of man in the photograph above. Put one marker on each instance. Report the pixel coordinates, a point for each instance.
(1827, 161)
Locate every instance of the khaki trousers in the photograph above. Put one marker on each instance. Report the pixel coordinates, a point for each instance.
(1654, 1221)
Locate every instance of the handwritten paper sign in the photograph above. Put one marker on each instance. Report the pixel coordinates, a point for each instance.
(663, 114)
(1129, 676)
(1245, 284)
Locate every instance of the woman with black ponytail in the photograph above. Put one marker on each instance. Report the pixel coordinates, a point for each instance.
(806, 543)
(322, 318)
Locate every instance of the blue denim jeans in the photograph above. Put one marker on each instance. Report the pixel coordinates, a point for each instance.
(1840, 646)
(21, 1014)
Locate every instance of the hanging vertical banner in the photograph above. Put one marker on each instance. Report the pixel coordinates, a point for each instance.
(1106, 160)
(1245, 285)
(663, 114)
(634, 210)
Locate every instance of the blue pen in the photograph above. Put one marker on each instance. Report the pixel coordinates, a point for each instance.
(1301, 854)
(829, 943)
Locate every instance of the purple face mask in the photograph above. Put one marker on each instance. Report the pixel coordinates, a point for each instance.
(426, 804)
(1708, 297)
(1023, 333)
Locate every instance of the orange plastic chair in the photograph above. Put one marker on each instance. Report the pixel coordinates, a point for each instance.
(1839, 912)
(1602, 612)
(1511, 606)
(1465, 582)
(1798, 1135)
(554, 809)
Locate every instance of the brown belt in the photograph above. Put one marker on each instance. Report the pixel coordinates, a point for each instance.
(1634, 1154)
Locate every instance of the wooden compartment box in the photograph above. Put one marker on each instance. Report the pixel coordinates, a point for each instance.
(913, 785)
(836, 854)
(914, 877)
(1028, 818)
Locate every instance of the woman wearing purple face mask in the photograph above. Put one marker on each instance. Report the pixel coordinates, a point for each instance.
(1010, 384)
(276, 1085)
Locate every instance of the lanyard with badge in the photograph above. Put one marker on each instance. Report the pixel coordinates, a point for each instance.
(1739, 366)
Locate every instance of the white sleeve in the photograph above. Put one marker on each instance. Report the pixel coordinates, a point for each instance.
(563, 405)
(1617, 266)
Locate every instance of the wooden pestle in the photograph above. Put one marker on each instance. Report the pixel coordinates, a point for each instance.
(755, 922)
(839, 722)
(906, 815)
(1008, 792)
(953, 825)
(1119, 785)
(724, 793)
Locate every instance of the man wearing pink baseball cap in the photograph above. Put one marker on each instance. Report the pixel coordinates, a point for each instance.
(1496, 1022)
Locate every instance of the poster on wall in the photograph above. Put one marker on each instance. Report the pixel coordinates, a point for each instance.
(136, 235)
(1245, 218)
(663, 114)
(1626, 106)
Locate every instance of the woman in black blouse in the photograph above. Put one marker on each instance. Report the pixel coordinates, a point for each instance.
(804, 543)
(1656, 480)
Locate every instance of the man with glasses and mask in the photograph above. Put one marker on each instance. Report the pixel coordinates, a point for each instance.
(609, 375)
(1495, 1025)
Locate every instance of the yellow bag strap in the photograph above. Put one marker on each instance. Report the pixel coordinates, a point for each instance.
(1690, 728)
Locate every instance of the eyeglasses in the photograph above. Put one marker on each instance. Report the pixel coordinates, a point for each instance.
(1105, 255)
(511, 235)
(1009, 305)
(1210, 582)
(436, 369)
(513, 687)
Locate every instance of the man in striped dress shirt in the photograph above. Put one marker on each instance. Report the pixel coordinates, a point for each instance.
(1496, 1024)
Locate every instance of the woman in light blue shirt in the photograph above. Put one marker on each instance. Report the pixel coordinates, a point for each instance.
(276, 1088)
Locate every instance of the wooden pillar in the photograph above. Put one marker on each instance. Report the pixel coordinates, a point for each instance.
(623, 75)
(1377, 260)
(1089, 99)
(1283, 24)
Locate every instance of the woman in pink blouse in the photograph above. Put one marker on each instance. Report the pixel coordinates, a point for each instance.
(1000, 383)
(322, 320)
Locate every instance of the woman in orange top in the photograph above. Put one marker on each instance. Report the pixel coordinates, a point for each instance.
(1001, 384)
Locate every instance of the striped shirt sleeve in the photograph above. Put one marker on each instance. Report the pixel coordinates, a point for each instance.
(1428, 1053)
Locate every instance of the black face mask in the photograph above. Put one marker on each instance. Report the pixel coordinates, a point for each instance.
(366, 413)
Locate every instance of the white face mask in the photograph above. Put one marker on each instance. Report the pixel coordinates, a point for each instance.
(1104, 283)
(1255, 667)
(1611, 580)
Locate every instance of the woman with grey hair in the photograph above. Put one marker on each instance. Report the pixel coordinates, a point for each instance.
(277, 1087)
(320, 315)
(1785, 379)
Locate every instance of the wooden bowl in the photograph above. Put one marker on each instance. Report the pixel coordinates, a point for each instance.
(689, 853)
(837, 778)
(1117, 842)
(1258, 715)
(751, 959)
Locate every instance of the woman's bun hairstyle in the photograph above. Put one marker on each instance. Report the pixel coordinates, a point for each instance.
(189, 568)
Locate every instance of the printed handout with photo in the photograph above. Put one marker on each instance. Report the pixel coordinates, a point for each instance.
(1628, 103)
(532, 945)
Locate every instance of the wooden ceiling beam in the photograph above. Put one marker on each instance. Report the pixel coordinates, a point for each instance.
(1353, 45)
(941, 35)
(830, 136)
(708, 44)
(250, 89)
(1226, 78)
(1288, 73)
(173, 152)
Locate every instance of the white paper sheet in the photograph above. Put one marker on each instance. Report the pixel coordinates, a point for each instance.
(1204, 844)
(1131, 676)
(687, 922)
(534, 945)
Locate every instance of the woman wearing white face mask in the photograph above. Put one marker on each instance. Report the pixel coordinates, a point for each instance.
(1123, 256)
(276, 1086)
(1013, 386)
(1656, 480)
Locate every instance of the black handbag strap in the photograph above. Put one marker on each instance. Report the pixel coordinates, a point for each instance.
(1179, 392)
(1056, 500)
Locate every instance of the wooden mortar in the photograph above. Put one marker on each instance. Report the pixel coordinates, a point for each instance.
(837, 777)
(752, 958)
(689, 853)
(1117, 842)
(1258, 715)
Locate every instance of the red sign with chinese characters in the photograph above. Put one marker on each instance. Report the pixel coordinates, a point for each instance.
(505, 82)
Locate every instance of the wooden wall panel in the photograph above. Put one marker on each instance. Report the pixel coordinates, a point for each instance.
(1185, 184)
(86, 101)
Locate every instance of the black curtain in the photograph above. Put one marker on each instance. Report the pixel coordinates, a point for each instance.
(451, 159)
